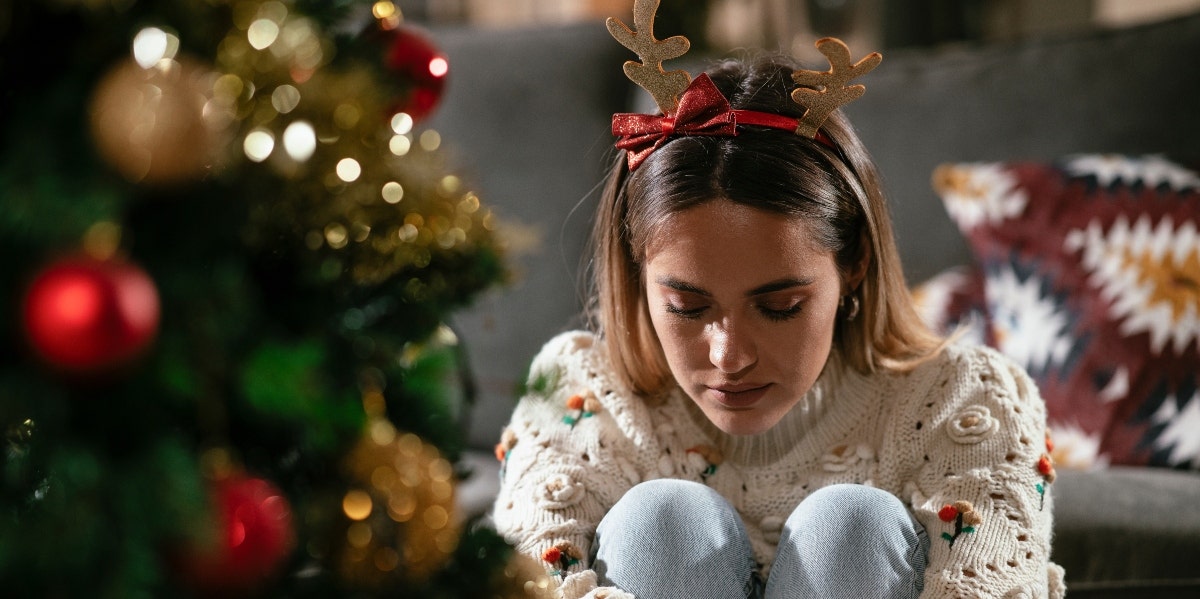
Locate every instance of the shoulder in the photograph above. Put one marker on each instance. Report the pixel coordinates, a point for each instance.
(975, 399)
(573, 414)
(981, 370)
(967, 398)
(571, 350)
(574, 367)
(574, 361)
(965, 372)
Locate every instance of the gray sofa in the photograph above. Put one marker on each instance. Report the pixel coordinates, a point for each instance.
(526, 118)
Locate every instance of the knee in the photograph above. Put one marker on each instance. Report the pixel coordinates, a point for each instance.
(689, 514)
(664, 537)
(669, 500)
(857, 509)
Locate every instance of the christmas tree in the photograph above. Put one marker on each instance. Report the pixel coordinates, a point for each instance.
(228, 253)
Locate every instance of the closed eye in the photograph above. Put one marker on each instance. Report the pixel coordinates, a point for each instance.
(780, 315)
(683, 312)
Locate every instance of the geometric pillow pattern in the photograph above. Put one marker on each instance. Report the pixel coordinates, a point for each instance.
(1086, 272)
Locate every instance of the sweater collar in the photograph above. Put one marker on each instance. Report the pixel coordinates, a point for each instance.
(822, 412)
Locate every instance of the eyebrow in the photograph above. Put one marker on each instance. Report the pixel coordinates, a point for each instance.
(776, 285)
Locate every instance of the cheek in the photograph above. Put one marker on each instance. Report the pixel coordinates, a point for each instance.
(803, 344)
(679, 343)
(682, 342)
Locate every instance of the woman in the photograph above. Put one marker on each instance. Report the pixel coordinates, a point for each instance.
(761, 412)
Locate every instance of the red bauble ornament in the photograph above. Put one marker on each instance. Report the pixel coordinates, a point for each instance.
(84, 315)
(252, 538)
(422, 69)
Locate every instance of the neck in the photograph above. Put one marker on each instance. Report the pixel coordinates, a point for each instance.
(797, 425)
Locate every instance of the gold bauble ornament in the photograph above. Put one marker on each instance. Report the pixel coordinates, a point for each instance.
(401, 523)
(157, 125)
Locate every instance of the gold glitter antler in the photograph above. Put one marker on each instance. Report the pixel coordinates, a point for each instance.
(664, 86)
(831, 90)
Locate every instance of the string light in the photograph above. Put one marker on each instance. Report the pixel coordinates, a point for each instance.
(285, 98)
(430, 140)
(399, 145)
(262, 33)
(149, 46)
(300, 141)
(438, 67)
(392, 192)
(402, 123)
(348, 170)
(259, 144)
(357, 505)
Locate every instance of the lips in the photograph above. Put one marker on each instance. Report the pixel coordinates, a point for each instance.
(740, 396)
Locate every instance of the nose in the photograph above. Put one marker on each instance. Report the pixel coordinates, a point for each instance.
(731, 349)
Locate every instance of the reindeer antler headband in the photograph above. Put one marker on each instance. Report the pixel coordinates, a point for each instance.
(697, 107)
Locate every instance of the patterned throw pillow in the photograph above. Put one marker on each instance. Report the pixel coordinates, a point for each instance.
(1088, 274)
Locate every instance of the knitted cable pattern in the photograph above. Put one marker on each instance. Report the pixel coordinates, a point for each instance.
(961, 440)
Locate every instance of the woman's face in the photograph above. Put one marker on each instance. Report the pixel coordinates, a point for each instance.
(744, 303)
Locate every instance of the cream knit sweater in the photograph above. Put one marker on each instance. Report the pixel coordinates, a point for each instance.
(965, 428)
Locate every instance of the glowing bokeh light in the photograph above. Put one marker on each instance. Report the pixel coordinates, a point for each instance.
(402, 123)
(348, 170)
(430, 140)
(393, 192)
(438, 67)
(285, 98)
(400, 144)
(149, 46)
(357, 505)
(436, 517)
(300, 140)
(336, 236)
(262, 33)
(259, 144)
(384, 10)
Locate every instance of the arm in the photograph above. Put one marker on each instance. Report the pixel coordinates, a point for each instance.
(563, 463)
(983, 488)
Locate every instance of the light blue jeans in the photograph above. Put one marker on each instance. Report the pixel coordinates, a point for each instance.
(672, 538)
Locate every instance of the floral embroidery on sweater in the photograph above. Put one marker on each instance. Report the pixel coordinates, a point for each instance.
(584, 406)
(964, 517)
(1045, 467)
(709, 457)
(561, 556)
(508, 440)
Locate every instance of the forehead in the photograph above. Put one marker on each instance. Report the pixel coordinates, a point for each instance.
(723, 238)
(732, 225)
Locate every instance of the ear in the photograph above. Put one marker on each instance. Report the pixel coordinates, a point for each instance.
(857, 272)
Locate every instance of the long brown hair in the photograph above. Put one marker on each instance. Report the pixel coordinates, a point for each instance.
(837, 192)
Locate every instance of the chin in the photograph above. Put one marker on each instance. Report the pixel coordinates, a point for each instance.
(742, 423)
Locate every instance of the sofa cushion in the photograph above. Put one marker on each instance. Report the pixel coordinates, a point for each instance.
(1128, 532)
(1088, 274)
(952, 303)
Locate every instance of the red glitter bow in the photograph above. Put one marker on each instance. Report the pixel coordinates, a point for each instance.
(702, 110)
